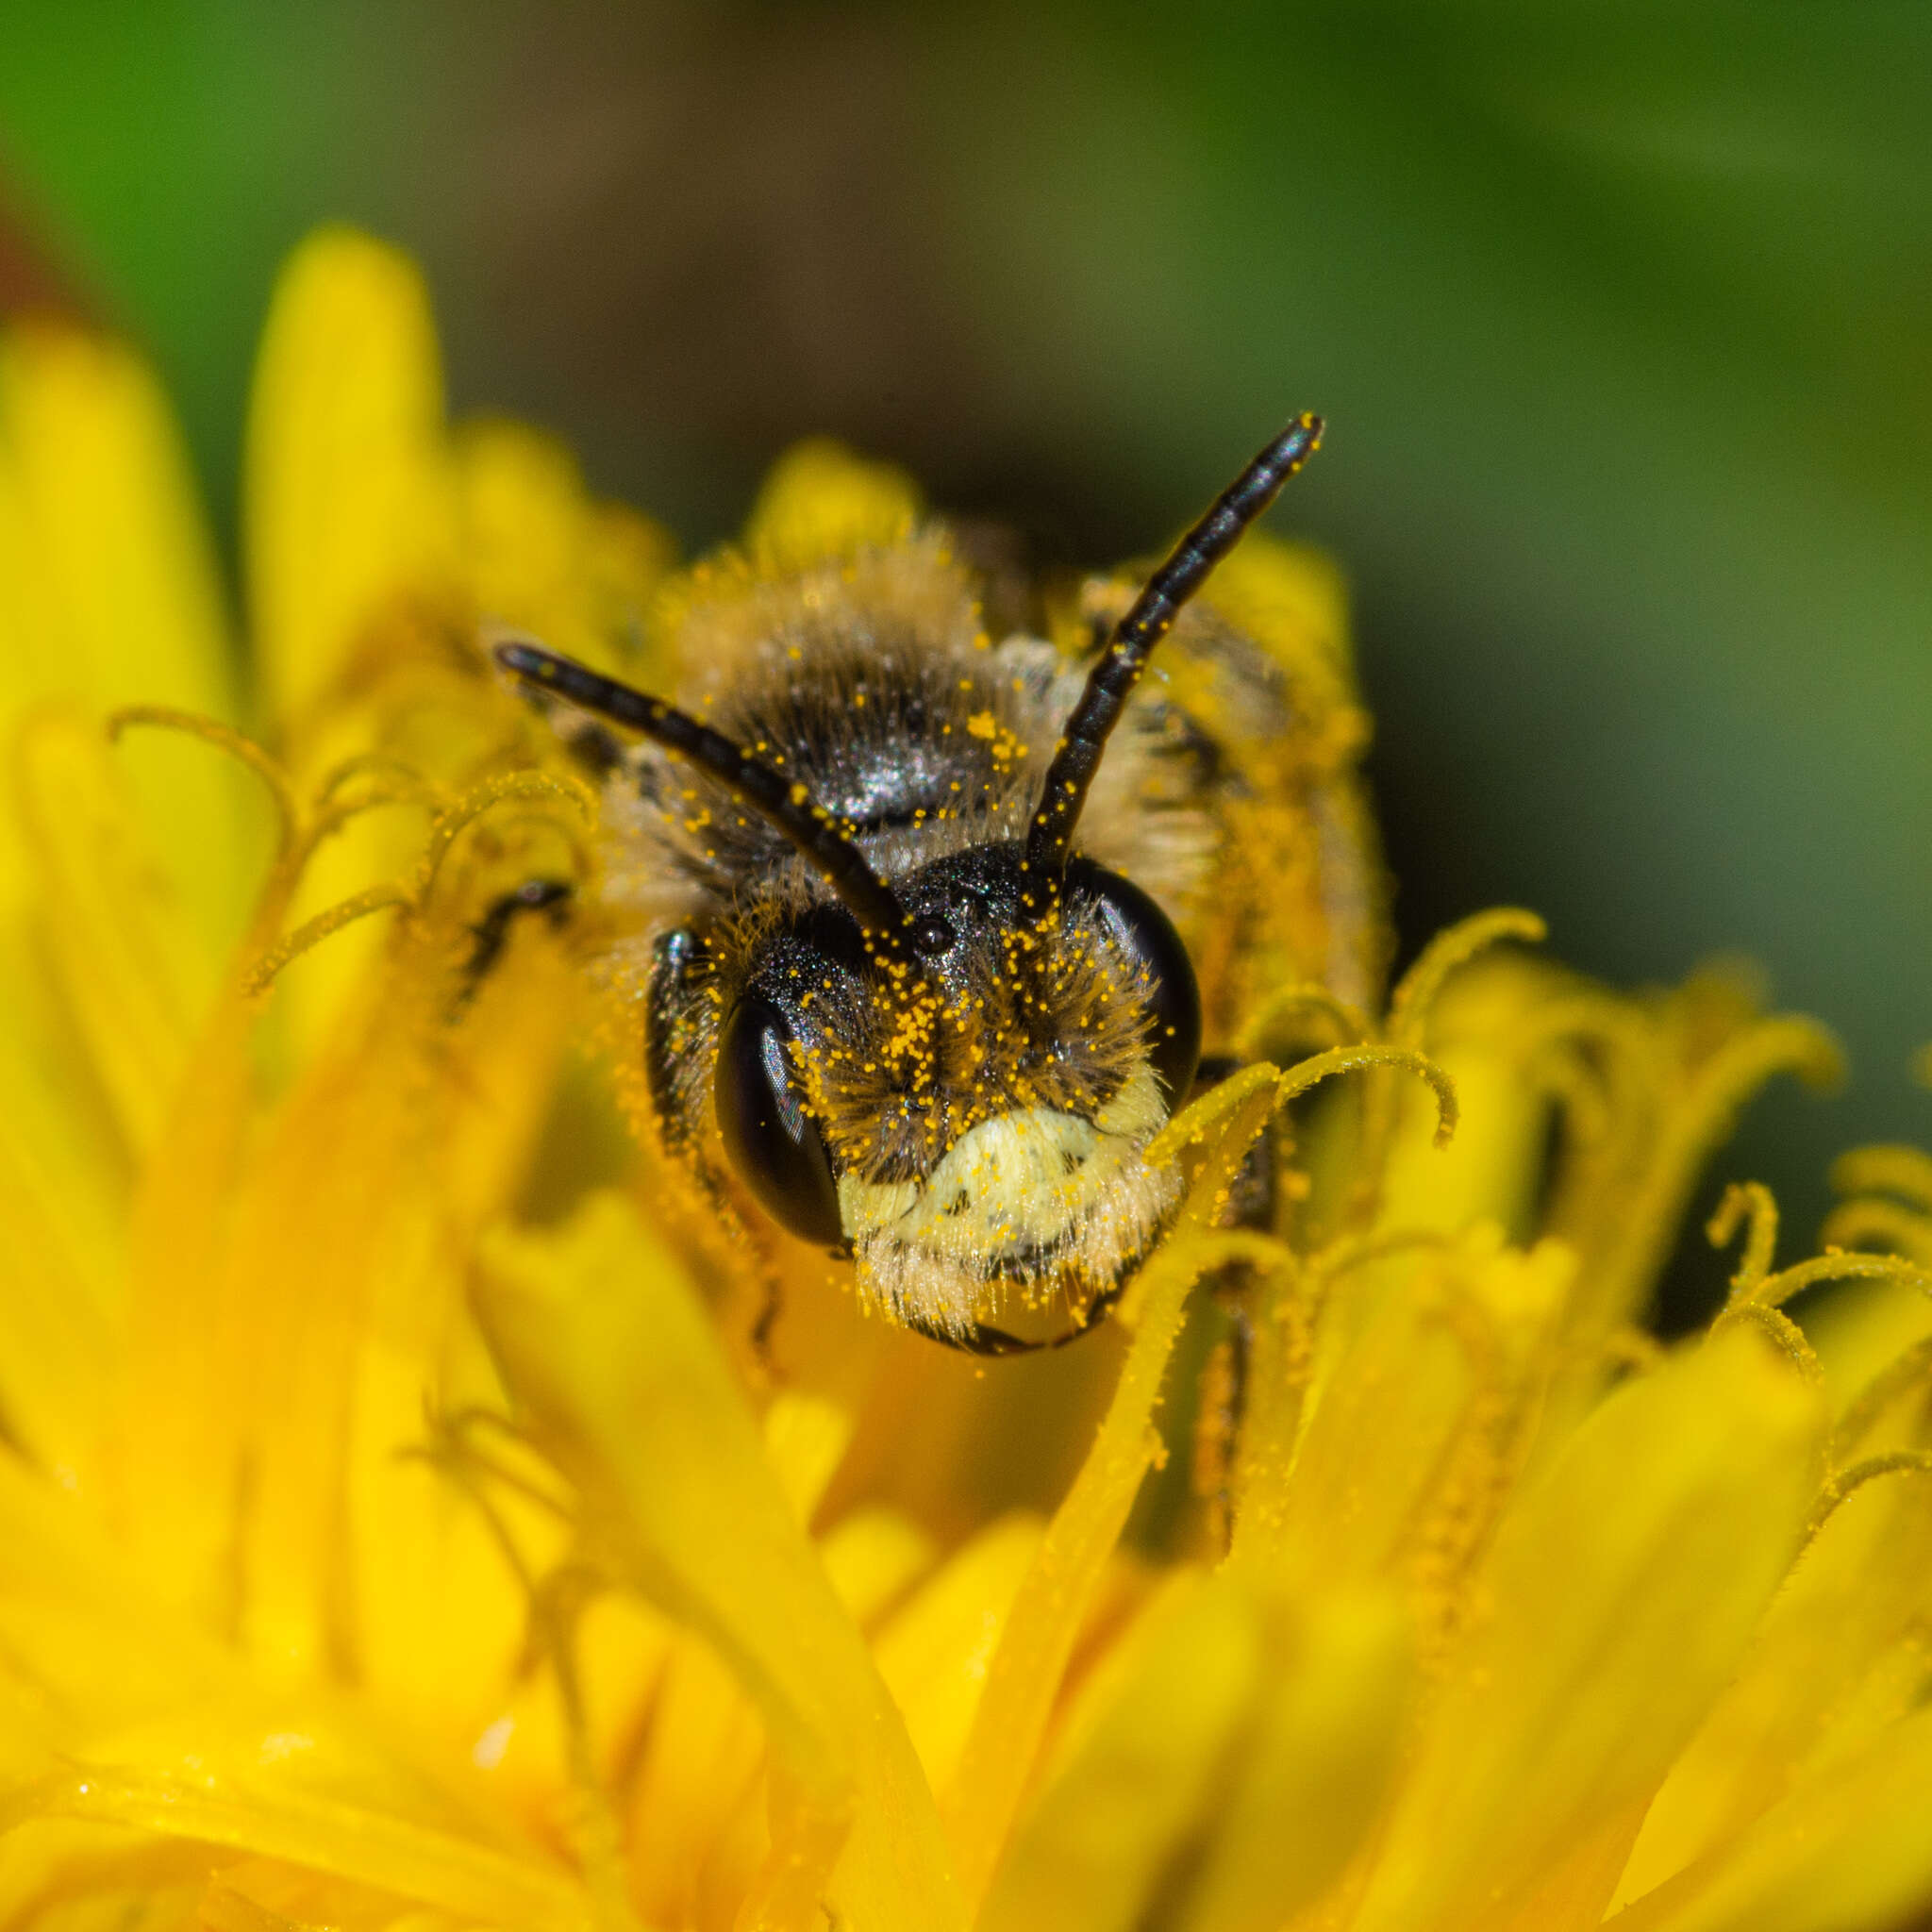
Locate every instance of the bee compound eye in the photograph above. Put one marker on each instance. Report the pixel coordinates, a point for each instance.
(1142, 930)
(774, 1144)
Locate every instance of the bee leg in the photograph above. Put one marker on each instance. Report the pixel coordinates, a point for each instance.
(1224, 1386)
(673, 1037)
(491, 934)
(673, 1007)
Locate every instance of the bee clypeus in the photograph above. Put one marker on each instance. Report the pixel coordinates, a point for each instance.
(936, 927)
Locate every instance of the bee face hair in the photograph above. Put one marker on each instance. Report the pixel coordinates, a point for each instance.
(981, 1107)
(885, 995)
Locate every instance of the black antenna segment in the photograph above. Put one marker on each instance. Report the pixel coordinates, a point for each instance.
(782, 802)
(1083, 739)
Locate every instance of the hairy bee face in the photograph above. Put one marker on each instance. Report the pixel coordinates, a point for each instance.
(894, 987)
(972, 1115)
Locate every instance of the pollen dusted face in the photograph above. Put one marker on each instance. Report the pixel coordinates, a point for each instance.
(982, 1104)
(883, 992)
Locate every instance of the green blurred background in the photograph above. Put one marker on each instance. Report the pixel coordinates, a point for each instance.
(1622, 316)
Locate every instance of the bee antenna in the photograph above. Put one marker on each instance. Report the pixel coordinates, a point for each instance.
(782, 802)
(1083, 739)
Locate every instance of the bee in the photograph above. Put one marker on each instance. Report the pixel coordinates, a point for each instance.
(935, 931)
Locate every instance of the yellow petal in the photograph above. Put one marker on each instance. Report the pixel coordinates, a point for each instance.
(348, 495)
(1839, 1660)
(97, 1876)
(440, 1625)
(702, 1754)
(134, 974)
(821, 500)
(539, 555)
(1426, 1367)
(59, 1294)
(1291, 599)
(606, 1346)
(1840, 1854)
(1624, 1592)
(1491, 1170)
(806, 1435)
(1316, 1771)
(560, 1767)
(1673, 1072)
(692, 1793)
(872, 1556)
(235, 1793)
(933, 1652)
(144, 1721)
(92, 965)
(352, 1296)
(1859, 1329)
(108, 594)
(252, 1369)
(267, 1895)
(1105, 1828)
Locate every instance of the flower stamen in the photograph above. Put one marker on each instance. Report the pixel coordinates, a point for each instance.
(1413, 1002)
(481, 799)
(1785, 1334)
(1350, 1024)
(1903, 1223)
(1742, 1200)
(1906, 1172)
(1348, 1059)
(311, 932)
(1846, 1482)
(244, 750)
(1774, 1291)
(1892, 1382)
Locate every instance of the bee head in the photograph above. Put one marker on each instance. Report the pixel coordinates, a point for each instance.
(967, 1112)
(955, 1073)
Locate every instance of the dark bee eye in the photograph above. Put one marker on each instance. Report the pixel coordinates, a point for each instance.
(1141, 929)
(774, 1144)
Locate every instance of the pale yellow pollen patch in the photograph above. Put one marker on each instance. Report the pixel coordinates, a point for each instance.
(1033, 1178)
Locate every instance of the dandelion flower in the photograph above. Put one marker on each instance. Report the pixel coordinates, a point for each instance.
(398, 1526)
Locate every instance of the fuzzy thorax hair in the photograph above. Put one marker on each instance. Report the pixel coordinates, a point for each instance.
(871, 683)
